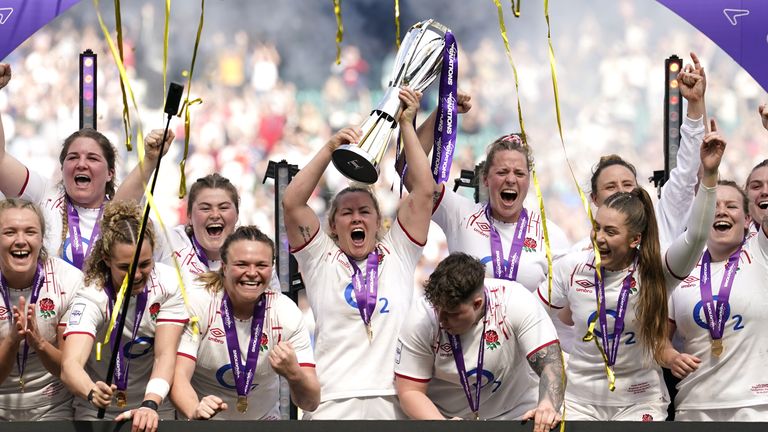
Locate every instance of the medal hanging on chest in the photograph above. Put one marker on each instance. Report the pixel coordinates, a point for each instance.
(243, 374)
(366, 289)
(714, 311)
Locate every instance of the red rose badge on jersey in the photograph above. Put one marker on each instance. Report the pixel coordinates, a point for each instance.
(264, 341)
(154, 310)
(529, 245)
(47, 308)
(492, 339)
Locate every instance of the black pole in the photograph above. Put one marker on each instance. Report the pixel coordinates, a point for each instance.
(171, 107)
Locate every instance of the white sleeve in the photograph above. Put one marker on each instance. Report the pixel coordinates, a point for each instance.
(172, 310)
(558, 241)
(449, 210)
(414, 355)
(198, 306)
(530, 323)
(298, 334)
(86, 315)
(560, 282)
(678, 192)
(35, 188)
(683, 254)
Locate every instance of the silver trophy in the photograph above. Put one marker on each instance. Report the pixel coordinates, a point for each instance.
(418, 63)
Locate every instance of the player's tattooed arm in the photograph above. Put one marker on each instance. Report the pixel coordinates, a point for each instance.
(547, 363)
(306, 233)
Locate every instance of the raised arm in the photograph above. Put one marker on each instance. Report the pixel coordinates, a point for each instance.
(426, 132)
(683, 253)
(301, 222)
(13, 174)
(132, 188)
(415, 210)
(548, 365)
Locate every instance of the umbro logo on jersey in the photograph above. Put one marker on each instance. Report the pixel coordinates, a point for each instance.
(689, 282)
(215, 335)
(584, 286)
(3, 313)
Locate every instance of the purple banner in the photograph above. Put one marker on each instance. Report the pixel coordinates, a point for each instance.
(736, 26)
(19, 19)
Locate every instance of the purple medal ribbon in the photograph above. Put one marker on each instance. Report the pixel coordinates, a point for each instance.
(715, 312)
(445, 126)
(500, 271)
(199, 251)
(37, 284)
(611, 348)
(366, 289)
(122, 364)
(76, 238)
(243, 373)
(458, 357)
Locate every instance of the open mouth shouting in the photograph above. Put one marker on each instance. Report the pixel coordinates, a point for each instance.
(763, 204)
(508, 196)
(722, 226)
(82, 180)
(358, 237)
(215, 230)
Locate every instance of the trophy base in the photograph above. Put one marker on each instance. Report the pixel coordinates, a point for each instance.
(354, 163)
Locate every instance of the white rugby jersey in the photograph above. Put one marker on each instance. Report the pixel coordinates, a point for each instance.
(348, 365)
(41, 388)
(50, 197)
(638, 377)
(213, 371)
(89, 315)
(467, 230)
(516, 326)
(737, 378)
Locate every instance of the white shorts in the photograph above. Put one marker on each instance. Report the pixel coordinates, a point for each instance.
(362, 408)
(58, 412)
(756, 413)
(645, 411)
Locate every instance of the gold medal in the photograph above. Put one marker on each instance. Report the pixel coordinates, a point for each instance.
(369, 330)
(21, 384)
(717, 347)
(477, 415)
(122, 399)
(242, 404)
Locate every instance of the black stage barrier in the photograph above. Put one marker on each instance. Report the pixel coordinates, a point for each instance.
(380, 426)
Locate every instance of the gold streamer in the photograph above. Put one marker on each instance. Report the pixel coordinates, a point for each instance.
(397, 23)
(553, 69)
(126, 111)
(516, 7)
(508, 50)
(188, 103)
(339, 29)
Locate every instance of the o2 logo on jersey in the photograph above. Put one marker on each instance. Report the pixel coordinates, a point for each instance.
(701, 320)
(226, 378)
(138, 347)
(610, 313)
(486, 378)
(66, 250)
(349, 296)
